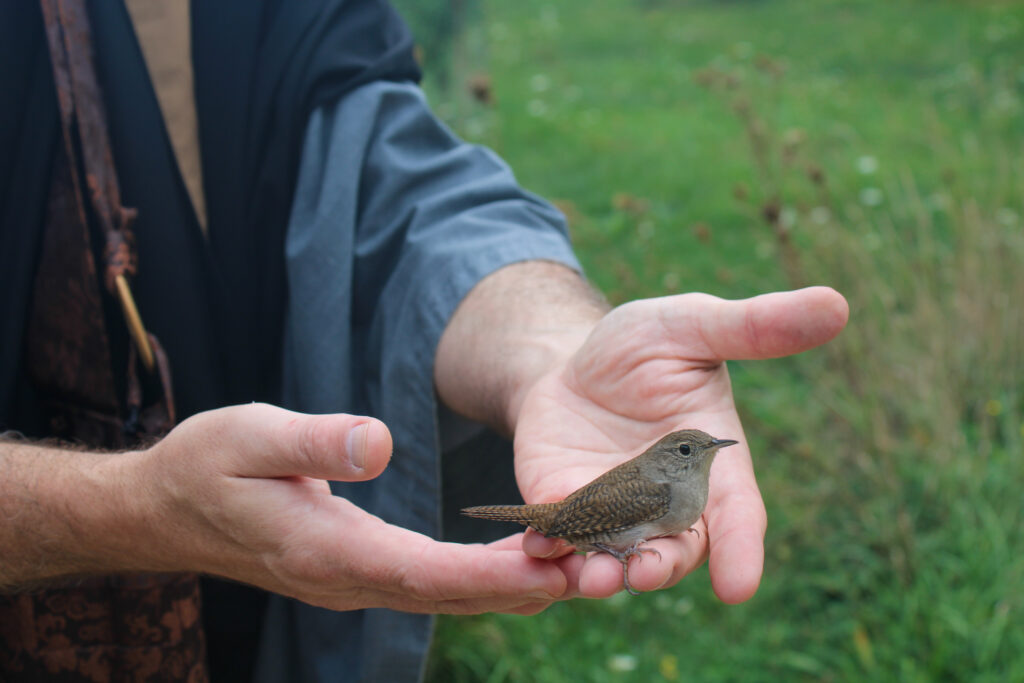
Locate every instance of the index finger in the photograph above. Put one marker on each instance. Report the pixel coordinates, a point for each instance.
(736, 520)
(402, 561)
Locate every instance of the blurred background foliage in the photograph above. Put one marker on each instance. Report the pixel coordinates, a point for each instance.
(741, 146)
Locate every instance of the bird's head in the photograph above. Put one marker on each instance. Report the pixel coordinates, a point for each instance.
(690, 448)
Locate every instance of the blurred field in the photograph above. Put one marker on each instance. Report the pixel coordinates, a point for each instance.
(736, 147)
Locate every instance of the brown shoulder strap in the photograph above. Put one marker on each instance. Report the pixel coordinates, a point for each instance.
(113, 628)
(66, 321)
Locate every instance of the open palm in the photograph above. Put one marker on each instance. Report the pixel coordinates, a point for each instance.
(648, 368)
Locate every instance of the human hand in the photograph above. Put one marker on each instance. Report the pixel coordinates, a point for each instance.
(241, 492)
(648, 368)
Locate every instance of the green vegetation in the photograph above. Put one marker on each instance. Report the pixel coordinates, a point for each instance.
(736, 147)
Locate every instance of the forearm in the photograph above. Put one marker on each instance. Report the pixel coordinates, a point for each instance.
(513, 326)
(62, 513)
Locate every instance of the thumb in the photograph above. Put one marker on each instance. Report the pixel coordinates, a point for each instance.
(765, 326)
(281, 443)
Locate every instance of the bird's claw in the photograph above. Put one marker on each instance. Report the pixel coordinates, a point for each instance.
(623, 557)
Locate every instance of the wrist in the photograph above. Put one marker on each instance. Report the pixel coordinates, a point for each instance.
(518, 324)
(119, 516)
(63, 512)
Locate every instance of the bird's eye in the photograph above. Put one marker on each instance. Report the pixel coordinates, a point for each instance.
(684, 448)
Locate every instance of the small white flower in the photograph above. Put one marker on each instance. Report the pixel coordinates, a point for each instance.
(820, 215)
(1005, 101)
(867, 164)
(684, 606)
(787, 217)
(1006, 216)
(537, 108)
(622, 663)
(474, 128)
(871, 196)
(539, 82)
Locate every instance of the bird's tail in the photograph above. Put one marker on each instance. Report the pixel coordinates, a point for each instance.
(530, 515)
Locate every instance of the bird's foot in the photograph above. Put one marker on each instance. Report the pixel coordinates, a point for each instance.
(623, 557)
(697, 531)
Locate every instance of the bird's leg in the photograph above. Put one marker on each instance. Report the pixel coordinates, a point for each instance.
(623, 557)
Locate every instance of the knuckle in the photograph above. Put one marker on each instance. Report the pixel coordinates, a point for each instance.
(311, 440)
(311, 569)
(413, 585)
(411, 580)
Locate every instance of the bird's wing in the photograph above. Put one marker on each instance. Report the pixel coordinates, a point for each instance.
(602, 508)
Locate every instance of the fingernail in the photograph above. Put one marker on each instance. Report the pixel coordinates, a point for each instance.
(357, 445)
(549, 555)
(541, 595)
(557, 548)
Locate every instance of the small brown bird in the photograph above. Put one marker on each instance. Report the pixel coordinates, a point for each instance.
(660, 492)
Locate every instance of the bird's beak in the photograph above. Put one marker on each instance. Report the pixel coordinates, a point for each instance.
(722, 443)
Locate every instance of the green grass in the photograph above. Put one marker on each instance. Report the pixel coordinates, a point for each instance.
(735, 147)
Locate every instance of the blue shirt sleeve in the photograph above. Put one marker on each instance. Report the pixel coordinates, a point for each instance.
(394, 220)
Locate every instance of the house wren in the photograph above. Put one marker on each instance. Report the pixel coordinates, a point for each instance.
(660, 492)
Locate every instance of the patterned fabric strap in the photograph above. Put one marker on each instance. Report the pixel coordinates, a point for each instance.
(116, 628)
